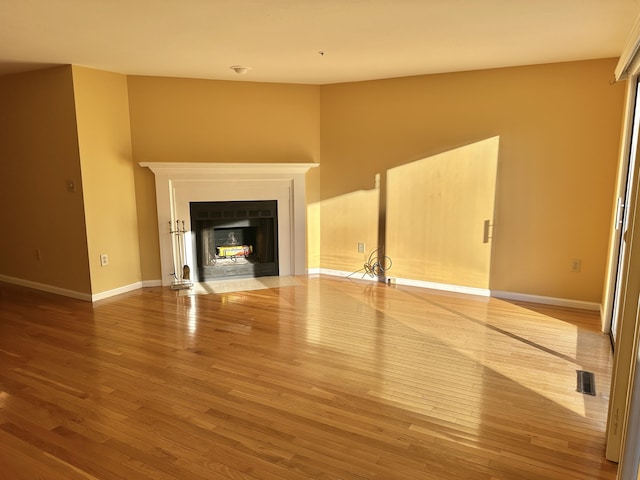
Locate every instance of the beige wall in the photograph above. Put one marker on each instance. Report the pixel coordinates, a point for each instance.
(185, 120)
(38, 156)
(102, 110)
(314, 225)
(347, 220)
(559, 130)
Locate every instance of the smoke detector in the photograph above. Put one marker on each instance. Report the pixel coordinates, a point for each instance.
(239, 69)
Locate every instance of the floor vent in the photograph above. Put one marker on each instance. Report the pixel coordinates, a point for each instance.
(586, 382)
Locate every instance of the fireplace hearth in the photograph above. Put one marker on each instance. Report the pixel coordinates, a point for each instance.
(235, 238)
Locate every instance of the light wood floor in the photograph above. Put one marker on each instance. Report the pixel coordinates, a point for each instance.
(330, 379)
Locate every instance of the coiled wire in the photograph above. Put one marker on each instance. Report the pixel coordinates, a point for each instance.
(376, 265)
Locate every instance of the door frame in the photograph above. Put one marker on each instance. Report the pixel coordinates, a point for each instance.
(623, 443)
(622, 210)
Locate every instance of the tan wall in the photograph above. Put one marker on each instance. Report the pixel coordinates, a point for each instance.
(341, 230)
(559, 130)
(39, 154)
(314, 225)
(104, 137)
(185, 120)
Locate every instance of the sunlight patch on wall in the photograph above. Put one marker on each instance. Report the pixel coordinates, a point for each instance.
(437, 209)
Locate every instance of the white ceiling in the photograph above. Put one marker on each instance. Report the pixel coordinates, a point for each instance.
(280, 40)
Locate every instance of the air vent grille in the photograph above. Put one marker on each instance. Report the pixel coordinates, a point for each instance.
(586, 382)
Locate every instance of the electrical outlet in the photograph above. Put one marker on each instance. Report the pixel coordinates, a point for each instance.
(361, 247)
(104, 259)
(576, 265)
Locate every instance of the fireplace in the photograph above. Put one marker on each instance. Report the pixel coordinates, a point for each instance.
(235, 239)
(179, 184)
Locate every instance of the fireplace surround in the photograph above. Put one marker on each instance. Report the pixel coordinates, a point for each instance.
(180, 184)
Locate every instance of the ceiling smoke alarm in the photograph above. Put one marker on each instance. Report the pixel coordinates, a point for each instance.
(239, 69)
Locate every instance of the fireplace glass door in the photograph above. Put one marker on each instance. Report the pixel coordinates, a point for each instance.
(235, 239)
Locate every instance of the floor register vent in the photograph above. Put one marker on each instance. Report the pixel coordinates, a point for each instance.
(586, 382)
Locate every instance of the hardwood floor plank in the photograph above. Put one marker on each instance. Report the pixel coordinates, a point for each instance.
(329, 379)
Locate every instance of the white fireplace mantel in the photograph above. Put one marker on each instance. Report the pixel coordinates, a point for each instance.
(178, 184)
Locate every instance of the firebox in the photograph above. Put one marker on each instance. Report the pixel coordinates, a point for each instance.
(235, 239)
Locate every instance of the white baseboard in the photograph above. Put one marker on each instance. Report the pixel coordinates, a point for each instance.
(406, 281)
(521, 297)
(116, 291)
(560, 302)
(481, 292)
(87, 297)
(46, 288)
(341, 273)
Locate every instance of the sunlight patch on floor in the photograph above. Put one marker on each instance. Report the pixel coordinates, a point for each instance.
(239, 285)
